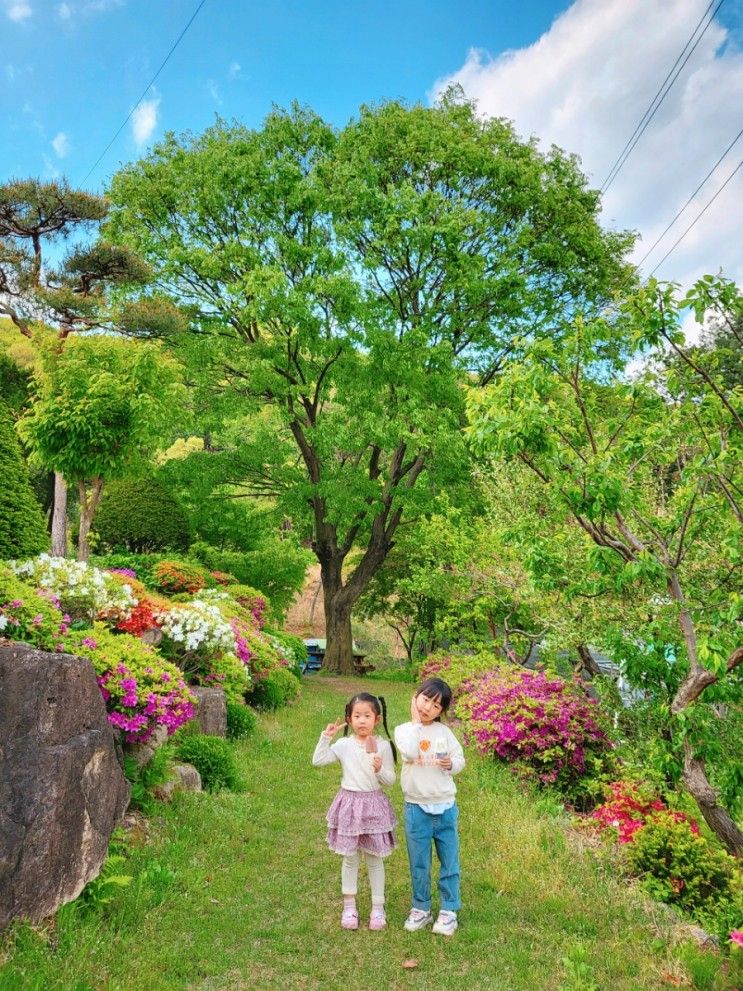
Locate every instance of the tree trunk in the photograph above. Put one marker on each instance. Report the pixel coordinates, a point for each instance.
(716, 817)
(88, 506)
(339, 646)
(59, 517)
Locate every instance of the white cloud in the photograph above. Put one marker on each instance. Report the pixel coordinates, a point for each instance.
(214, 91)
(10, 72)
(586, 83)
(17, 10)
(144, 120)
(234, 70)
(61, 145)
(64, 11)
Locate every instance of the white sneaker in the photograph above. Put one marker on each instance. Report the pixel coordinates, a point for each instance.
(446, 923)
(418, 919)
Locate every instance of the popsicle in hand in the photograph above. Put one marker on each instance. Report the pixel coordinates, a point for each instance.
(371, 744)
(440, 748)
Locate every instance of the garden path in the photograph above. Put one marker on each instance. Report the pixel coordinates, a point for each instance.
(240, 892)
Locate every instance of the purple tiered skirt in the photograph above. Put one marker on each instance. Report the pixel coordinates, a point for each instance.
(361, 820)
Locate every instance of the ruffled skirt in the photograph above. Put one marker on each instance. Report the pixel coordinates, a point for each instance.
(361, 820)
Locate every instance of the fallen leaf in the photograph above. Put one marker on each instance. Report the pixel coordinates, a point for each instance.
(677, 982)
(409, 964)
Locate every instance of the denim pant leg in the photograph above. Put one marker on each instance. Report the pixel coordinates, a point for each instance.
(418, 836)
(446, 838)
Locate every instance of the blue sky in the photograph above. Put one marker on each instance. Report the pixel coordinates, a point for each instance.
(580, 74)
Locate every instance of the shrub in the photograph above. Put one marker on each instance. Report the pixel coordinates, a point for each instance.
(22, 525)
(141, 515)
(629, 807)
(213, 759)
(145, 778)
(141, 689)
(681, 868)
(278, 688)
(292, 650)
(84, 592)
(250, 599)
(548, 728)
(456, 668)
(241, 721)
(29, 615)
(173, 577)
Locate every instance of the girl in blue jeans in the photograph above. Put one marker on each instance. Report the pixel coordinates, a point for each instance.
(431, 756)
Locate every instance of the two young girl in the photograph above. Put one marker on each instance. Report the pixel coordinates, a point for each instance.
(361, 820)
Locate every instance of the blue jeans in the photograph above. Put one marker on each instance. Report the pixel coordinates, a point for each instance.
(421, 829)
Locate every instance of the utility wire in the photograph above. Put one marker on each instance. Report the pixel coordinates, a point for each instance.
(663, 91)
(655, 244)
(144, 92)
(698, 217)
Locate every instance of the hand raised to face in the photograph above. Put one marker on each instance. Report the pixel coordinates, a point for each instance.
(332, 728)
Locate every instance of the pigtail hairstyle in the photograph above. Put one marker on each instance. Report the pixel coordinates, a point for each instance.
(383, 704)
(380, 707)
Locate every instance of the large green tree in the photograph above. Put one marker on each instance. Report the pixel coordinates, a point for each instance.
(353, 279)
(651, 471)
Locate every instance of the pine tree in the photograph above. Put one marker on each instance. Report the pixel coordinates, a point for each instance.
(22, 528)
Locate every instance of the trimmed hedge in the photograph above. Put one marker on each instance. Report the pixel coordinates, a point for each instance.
(213, 758)
(22, 526)
(278, 688)
(141, 515)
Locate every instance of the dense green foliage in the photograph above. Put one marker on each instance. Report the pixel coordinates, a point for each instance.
(140, 515)
(241, 721)
(22, 526)
(213, 758)
(278, 688)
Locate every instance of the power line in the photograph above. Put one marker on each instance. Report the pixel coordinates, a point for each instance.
(698, 217)
(655, 244)
(144, 92)
(660, 96)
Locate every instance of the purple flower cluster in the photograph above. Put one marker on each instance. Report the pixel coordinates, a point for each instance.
(539, 721)
(126, 572)
(242, 648)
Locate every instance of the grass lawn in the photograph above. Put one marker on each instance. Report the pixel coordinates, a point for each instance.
(239, 891)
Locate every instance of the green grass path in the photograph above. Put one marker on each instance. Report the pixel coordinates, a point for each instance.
(254, 899)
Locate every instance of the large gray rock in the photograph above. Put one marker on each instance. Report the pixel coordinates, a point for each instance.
(210, 711)
(62, 790)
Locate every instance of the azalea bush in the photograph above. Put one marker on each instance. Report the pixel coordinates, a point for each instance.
(547, 728)
(679, 866)
(193, 632)
(30, 615)
(84, 592)
(140, 688)
(172, 577)
(629, 806)
(291, 650)
(250, 599)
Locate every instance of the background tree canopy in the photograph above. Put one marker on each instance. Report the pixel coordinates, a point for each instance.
(353, 279)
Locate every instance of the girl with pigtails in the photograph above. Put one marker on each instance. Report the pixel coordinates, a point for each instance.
(361, 820)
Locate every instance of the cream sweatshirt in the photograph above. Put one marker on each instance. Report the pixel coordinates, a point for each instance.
(355, 762)
(423, 782)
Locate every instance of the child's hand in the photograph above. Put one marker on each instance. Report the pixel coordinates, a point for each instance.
(415, 716)
(377, 763)
(444, 762)
(332, 728)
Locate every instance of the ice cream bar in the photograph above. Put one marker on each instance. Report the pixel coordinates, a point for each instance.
(440, 748)
(371, 744)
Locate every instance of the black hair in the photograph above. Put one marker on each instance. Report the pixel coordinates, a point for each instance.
(380, 707)
(435, 688)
